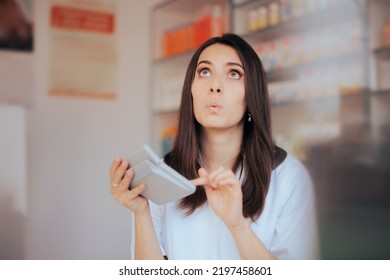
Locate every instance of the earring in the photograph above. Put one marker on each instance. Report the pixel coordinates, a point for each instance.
(249, 117)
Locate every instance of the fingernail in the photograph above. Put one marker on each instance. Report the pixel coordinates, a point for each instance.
(129, 172)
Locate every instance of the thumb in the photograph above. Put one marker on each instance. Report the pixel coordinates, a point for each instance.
(202, 172)
(202, 178)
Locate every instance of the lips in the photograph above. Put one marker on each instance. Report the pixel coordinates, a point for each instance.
(214, 105)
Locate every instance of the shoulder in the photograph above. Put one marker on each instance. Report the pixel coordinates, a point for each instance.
(291, 168)
(291, 177)
(292, 208)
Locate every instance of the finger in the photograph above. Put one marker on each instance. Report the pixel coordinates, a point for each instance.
(231, 181)
(213, 175)
(123, 187)
(117, 191)
(125, 183)
(202, 172)
(114, 166)
(199, 181)
(202, 177)
(120, 172)
(127, 198)
(223, 175)
(207, 188)
(136, 191)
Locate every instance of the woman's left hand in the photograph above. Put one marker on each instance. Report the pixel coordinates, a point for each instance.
(224, 194)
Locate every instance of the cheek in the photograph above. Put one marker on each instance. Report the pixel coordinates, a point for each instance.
(243, 106)
(197, 92)
(240, 102)
(195, 99)
(198, 86)
(194, 95)
(238, 93)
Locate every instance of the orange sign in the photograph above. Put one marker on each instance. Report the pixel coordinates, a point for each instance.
(82, 20)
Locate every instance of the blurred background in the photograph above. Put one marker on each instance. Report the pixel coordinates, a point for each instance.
(82, 81)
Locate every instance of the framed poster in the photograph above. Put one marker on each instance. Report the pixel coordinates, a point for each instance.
(83, 55)
(16, 52)
(16, 26)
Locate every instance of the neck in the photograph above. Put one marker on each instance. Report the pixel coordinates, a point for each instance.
(220, 149)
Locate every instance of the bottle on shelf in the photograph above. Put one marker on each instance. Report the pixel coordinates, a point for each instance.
(167, 137)
(386, 33)
(285, 10)
(274, 13)
(262, 19)
(189, 35)
(209, 23)
(252, 20)
(217, 23)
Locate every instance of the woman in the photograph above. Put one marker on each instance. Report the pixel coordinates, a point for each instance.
(253, 201)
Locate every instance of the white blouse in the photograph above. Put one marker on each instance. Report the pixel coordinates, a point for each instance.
(287, 226)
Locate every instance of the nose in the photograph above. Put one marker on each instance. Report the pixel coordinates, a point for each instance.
(218, 90)
(216, 83)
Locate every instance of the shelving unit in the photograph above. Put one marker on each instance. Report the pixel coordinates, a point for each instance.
(180, 22)
(380, 92)
(309, 77)
(325, 62)
(291, 72)
(382, 61)
(298, 24)
(379, 20)
(382, 51)
(330, 94)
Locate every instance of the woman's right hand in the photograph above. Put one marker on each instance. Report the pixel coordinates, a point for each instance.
(120, 178)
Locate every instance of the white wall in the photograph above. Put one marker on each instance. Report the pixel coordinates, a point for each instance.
(13, 195)
(71, 143)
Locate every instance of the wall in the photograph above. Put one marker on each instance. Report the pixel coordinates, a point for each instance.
(13, 195)
(70, 145)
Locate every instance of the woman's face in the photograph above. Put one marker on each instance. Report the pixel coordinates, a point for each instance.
(218, 89)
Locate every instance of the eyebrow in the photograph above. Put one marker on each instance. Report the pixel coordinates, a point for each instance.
(228, 63)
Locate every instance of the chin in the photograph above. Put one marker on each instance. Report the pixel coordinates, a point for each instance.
(215, 125)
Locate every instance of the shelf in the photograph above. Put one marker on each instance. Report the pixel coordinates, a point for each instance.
(360, 93)
(291, 72)
(307, 22)
(179, 56)
(285, 103)
(382, 51)
(380, 92)
(244, 3)
(363, 93)
(186, 7)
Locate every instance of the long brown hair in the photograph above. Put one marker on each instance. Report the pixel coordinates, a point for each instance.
(258, 154)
